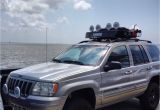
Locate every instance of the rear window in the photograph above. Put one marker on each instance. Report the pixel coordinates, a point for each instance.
(154, 52)
(146, 59)
(137, 54)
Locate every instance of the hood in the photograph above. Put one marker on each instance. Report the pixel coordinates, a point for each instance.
(50, 71)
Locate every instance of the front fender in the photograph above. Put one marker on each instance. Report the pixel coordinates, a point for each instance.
(71, 87)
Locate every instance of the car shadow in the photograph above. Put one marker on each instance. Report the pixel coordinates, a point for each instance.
(132, 104)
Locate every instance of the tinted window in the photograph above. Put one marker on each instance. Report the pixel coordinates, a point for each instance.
(136, 54)
(154, 52)
(146, 60)
(120, 54)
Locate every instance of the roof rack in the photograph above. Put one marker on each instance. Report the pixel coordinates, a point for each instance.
(114, 34)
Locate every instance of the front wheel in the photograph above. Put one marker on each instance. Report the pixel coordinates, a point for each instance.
(150, 99)
(78, 104)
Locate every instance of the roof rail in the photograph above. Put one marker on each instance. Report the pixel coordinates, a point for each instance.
(135, 40)
(85, 41)
(115, 40)
(146, 41)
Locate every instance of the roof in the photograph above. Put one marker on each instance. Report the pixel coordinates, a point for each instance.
(92, 43)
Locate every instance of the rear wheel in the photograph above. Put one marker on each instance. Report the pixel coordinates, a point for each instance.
(150, 99)
(78, 104)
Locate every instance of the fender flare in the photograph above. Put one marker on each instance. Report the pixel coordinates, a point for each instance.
(72, 87)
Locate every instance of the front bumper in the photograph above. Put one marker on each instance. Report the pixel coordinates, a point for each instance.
(37, 103)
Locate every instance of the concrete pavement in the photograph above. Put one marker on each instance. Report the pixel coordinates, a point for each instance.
(132, 104)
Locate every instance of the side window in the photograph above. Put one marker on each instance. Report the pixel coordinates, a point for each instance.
(120, 54)
(146, 59)
(154, 52)
(136, 54)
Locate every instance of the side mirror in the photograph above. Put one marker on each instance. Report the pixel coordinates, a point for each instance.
(113, 66)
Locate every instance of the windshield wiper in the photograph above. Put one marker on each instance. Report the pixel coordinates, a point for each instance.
(73, 62)
(57, 60)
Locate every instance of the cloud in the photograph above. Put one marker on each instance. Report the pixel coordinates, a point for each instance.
(54, 3)
(28, 13)
(31, 6)
(63, 19)
(82, 5)
(31, 13)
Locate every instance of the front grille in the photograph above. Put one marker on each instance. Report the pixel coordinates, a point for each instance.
(24, 85)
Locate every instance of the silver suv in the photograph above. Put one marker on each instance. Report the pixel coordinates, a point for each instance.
(89, 75)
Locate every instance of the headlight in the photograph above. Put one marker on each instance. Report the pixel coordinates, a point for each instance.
(44, 89)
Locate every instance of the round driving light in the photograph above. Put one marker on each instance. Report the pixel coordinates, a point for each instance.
(108, 26)
(5, 88)
(98, 27)
(116, 25)
(91, 28)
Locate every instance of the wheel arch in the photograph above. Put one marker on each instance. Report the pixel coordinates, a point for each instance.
(84, 89)
(85, 93)
(155, 79)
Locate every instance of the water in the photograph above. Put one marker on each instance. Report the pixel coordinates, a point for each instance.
(13, 55)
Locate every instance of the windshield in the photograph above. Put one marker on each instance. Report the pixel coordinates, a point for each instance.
(83, 55)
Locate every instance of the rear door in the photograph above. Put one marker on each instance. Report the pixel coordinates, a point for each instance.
(139, 68)
(154, 54)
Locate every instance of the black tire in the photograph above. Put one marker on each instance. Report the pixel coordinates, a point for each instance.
(78, 104)
(150, 99)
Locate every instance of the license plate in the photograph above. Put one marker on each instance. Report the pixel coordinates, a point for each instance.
(15, 107)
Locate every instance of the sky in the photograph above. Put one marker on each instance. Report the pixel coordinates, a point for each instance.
(67, 21)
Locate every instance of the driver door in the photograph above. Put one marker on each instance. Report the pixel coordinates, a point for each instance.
(115, 83)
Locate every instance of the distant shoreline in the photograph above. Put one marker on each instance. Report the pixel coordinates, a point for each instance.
(34, 43)
(45, 43)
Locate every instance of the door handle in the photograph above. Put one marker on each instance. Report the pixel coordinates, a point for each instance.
(150, 68)
(128, 72)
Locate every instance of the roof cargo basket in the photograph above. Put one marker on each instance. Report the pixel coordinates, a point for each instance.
(113, 33)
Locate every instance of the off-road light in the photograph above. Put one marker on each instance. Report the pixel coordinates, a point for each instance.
(108, 26)
(98, 27)
(91, 28)
(116, 25)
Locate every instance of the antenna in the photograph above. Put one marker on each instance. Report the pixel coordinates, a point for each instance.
(46, 44)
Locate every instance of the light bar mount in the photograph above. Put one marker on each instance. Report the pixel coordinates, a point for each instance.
(113, 34)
